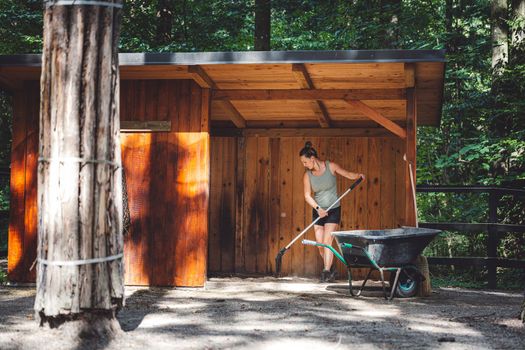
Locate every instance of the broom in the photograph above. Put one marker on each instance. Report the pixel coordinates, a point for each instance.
(279, 257)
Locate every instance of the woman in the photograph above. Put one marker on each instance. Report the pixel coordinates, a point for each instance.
(320, 177)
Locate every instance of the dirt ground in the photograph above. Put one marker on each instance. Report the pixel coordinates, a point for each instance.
(266, 313)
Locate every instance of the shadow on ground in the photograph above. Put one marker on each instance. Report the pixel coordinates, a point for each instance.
(271, 313)
(233, 313)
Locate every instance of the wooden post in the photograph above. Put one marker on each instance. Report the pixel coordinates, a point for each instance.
(411, 115)
(239, 205)
(410, 206)
(492, 238)
(79, 172)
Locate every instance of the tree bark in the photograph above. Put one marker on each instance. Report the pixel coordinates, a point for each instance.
(165, 22)
(79, 172)
(499, 29)
(449, 16)
(262, 25)
(517, 42)
(391, 10)
(518, 30)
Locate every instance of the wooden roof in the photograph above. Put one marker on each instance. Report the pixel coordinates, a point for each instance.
(288, 88)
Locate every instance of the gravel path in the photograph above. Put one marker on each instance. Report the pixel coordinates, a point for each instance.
(266, 313)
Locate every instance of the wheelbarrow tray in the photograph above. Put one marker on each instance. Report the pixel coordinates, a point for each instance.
(391, 247)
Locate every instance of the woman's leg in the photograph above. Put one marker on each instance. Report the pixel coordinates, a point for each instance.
(319, 237)
(328, 239)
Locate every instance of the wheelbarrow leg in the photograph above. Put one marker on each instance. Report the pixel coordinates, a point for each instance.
(383, 283)
(394, 286)
(350, 287)
(366, 280)
(354, 294)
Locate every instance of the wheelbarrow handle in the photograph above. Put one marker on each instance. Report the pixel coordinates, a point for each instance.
(336, 253)
(308, 242)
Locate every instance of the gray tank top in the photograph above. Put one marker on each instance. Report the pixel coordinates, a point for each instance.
(325, 187)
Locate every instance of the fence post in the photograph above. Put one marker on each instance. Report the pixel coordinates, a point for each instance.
(492, 239)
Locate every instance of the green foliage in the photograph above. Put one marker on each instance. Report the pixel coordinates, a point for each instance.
(4, 197)
(21, 29)
(508, 279)
(196, 25)
(456, 280)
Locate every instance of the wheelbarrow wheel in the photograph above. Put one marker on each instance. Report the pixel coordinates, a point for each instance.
(407, 286)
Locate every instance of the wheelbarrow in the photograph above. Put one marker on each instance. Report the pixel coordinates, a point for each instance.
(393, 250)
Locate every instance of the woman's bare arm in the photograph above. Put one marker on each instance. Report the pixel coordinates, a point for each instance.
(337, 169)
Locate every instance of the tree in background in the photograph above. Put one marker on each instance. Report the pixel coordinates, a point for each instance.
(262, 25)
(391, 15)
(164, 22)
(80, 244)
(187, 26)
(518, 25)
(500, 33)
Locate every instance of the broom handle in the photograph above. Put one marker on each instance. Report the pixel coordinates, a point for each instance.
(357, 182)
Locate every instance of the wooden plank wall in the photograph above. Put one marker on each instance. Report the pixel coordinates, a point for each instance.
(22, 232)
(167, 176)
(257, 204)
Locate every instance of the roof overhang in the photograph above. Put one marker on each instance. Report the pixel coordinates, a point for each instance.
(304, 88)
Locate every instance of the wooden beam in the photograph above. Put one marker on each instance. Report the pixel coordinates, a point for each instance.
(410, 156)
(10, 84)
(145, 126)
(155, 72)
(301, 75)
(300, 132)
(321, 113)
(201, 77)
(476, 261)
(378, 118)
(234, 114)
(410, 75)
(474, 227)
(312, 94)
(204, 81)
(303, 79)
(471, 189)
(20, 73)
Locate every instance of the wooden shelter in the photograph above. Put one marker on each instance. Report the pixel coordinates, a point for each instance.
(210, 146)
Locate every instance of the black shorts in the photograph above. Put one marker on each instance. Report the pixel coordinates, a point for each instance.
(333, 217)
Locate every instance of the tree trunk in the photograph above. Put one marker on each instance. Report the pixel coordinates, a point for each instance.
(500, 46)
(165, 22)
(517, 42)
(518, 30)
(79, 173)
(262, 25)
(391, 10)
(449, 16)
